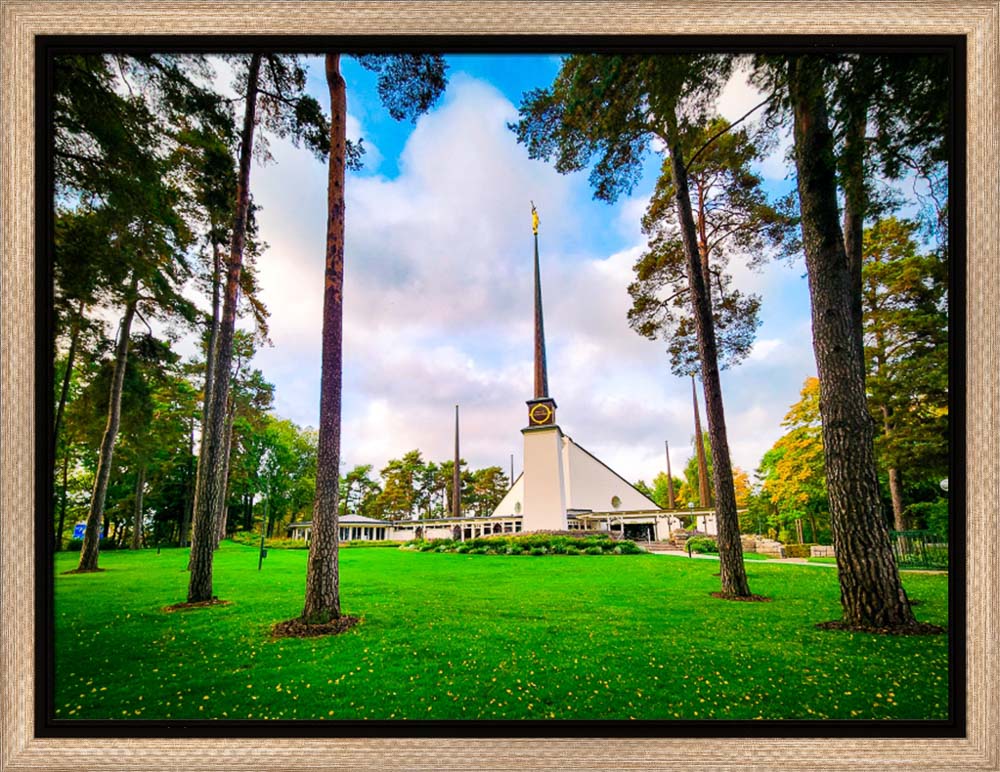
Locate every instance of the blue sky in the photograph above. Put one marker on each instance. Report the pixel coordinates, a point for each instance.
(438, 289)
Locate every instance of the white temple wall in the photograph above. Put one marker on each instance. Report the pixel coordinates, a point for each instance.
(513, 502)
(544, 505)
(592, 485)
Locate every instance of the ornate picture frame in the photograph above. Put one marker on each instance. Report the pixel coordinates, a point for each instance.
(24, 20)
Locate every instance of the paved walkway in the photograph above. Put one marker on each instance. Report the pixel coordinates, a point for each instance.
(793, 561)
(696, 556)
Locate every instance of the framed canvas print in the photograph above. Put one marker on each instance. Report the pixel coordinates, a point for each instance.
(435, 384)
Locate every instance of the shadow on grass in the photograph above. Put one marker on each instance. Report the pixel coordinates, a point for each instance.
(297, 628)
(197, 604)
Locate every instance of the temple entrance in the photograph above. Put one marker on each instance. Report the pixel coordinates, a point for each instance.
(639, 531)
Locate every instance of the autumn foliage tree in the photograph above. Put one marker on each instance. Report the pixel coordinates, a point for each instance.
(792, 471)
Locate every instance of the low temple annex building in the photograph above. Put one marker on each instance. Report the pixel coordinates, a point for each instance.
(563, 486)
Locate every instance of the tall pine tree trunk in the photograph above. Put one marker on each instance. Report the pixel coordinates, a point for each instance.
(732, 571)
(870, 590)
(323, 577)
(68, 375)
(704, 494)
(222, 516)
(92, 535)
(62, 502)
(896, 494)
(189, 493)
(213, 333)
(213, 340)
(211, 482)
(853, 184)
(140, 486)
(895, 479)
(855, 207)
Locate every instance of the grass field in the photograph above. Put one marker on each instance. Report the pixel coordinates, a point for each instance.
(448, 636)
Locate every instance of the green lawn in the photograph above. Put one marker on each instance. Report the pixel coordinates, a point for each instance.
(456, 636)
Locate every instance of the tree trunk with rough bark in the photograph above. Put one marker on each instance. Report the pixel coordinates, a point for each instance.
(92, 535)
(855, 208)
(732, 571)
(870, 590)
(704, 494)
(211, 484)
(137, 516)
(322, 601)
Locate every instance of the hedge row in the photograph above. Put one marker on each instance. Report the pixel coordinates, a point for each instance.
(75, 545)
(528, 544)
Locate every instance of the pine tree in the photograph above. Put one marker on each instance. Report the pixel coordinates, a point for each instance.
(871, 592)
(613, 107)
(408, 85)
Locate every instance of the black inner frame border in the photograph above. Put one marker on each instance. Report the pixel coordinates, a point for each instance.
(49, 46)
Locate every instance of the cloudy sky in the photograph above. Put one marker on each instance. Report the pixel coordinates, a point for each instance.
(438, 295)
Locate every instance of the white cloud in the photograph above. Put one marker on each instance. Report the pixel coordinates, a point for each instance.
(762, 349)
(438, 306)
(355, 132)
(737, 98)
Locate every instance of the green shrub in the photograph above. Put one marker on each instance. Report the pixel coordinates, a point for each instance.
(251, 539)
(798, 550)
(462, 548)
(930, 515)
(75, 545)
(571, 550)
(514, 549)
(628, 548)
(477, 551)
(538, 551)
(593, 551)
(701, 544)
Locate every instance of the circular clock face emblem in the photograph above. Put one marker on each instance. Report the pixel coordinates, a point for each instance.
(539, 414)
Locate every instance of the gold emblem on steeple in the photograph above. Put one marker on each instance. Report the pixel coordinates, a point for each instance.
(534, 219)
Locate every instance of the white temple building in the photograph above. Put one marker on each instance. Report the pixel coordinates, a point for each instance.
(561, 480)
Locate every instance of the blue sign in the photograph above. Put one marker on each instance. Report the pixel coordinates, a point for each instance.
(79, 530)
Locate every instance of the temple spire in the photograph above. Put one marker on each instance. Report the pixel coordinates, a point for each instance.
(541, 375)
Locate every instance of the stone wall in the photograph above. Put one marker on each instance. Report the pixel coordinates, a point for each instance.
(762, 546)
